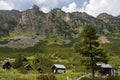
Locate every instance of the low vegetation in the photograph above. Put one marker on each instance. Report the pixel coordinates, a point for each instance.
(50, 52)
(100, 78)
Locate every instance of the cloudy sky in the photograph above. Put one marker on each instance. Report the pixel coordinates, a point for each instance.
(92, 7)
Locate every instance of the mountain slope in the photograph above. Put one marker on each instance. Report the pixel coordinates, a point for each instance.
(65, 25)
(111, 20)
(57, 22)
(33, 25)
(8, 20)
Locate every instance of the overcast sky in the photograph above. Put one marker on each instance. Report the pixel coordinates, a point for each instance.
(92, 7)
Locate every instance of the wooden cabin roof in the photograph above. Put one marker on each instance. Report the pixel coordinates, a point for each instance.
(59, 66)
(104, 65)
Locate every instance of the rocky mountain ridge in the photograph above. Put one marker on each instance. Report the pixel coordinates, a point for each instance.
(109, 19)
(58, 22)
(8, 21)
(33, 22)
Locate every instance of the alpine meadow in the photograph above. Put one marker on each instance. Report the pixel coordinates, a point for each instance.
(58, 45)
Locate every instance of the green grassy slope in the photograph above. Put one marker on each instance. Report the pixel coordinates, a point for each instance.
(114, 46)
(61, 51)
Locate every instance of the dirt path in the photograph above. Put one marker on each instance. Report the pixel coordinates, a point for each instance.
(83, 76)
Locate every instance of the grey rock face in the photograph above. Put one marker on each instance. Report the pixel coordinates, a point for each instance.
(34, 22)
(111, 20)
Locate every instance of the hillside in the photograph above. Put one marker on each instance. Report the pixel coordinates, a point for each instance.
(109, 19)
(19, 29)
(8, 21)
(30, 27)
(51, 37)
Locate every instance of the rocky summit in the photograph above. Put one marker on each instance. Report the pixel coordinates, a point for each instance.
(111, 20)
(33, 22)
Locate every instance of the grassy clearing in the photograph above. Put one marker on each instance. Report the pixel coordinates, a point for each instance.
(11, 36)
(50, 51)
(16, 75)
(114, 46)
(69, 74)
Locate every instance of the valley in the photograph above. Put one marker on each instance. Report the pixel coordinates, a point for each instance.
(51, 38)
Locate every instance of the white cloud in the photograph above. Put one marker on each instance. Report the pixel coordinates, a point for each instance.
(71, 7)
(84, 5)
(95, 7)
(6, 6)
(46, 5)
(51, 3)
(45, 9)
(41, 1)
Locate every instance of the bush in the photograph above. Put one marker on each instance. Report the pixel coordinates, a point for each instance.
(42, 77)
(22, 70)
(46, 77)
(96, 78)
(52, 77)
(113, 78)
(85, 78)
(18, 62)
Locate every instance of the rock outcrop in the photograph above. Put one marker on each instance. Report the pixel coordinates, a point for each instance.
(8, 21)
(33, 22)
(111, 20)
(57, 22)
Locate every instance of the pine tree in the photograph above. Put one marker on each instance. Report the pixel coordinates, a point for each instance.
(89, 47)
(18, 62)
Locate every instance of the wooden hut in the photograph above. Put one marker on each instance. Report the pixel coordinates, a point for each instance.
(25, 60)
(6, 65)
(58, 68)
(39, 70)
(28, 67)
(106, 69)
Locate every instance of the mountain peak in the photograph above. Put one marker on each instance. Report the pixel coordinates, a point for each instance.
(33, 22)
(118, 16)
(57, 9)
(35, 7)
(109, 19)
(104, 15)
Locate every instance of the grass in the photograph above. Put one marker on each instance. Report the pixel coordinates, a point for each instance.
(69, 74)
(11, 36)
(52, 52)
(54, 39)
(16, 75)
(114, 60)
(114, 46)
